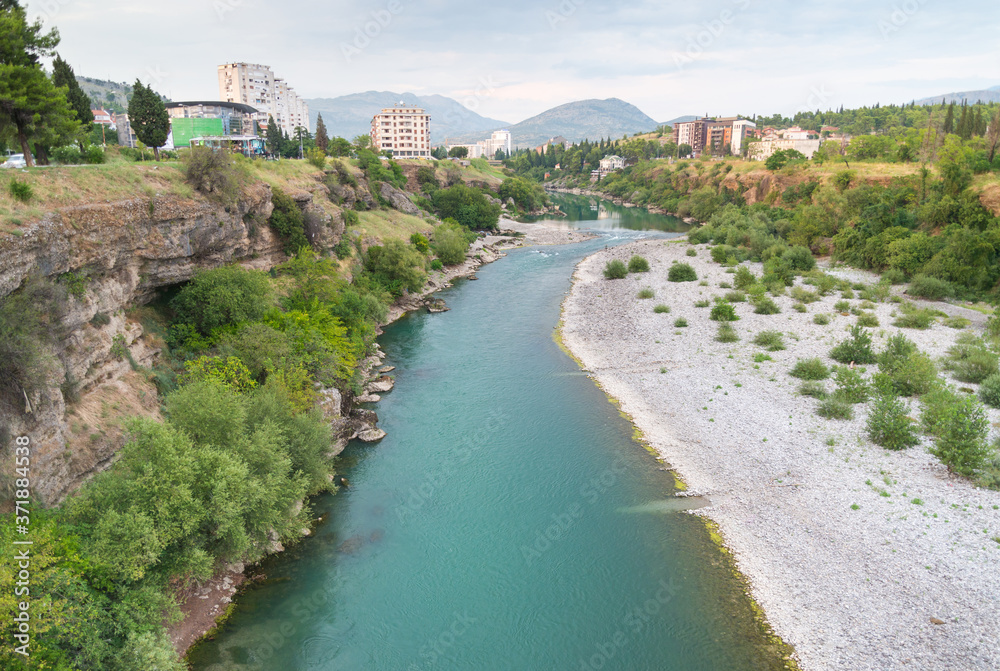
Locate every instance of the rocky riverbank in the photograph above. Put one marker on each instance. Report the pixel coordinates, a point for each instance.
(861, 558)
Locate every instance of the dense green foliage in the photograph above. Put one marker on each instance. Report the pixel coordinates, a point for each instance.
(855, 349)
(888, 424)
(468, 206)
(148, 117)
(288, 221)
(451, 242)
(222, 297)
(27, 327)
(527, 194)
(961, 436)
(682, 272)
(638, 264)
(396, 266)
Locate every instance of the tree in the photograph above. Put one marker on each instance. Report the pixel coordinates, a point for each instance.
(32, 108)
(949, 119)
(458, 152)
(338, 147)
(62, 76)
(993, 135)
(322, 139)
(362, 141)
(273, 137)
(148, 117)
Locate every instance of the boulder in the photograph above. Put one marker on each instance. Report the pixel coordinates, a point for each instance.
(397, 199)
(381, 385)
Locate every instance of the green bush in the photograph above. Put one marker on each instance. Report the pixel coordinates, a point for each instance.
(842, 306)
(766, 306)
(736, 297)
(989, 391)
(645, 294)
(468, 206)
(810, 369)
(888, 424)
(213, 172)
(800, 258)
(27, 329)
(744, 278)
(821, 320)
(835, 407)
(970, 360)
(343, 249)
(680, 322)
(662, 309)
(726, 333)
(934, 404)
(772, 341)
(931, 288)
(287, 220)
(723, 312)
(317, 157)
(451, 243)
(223, 296)
(436, 264)
(691, 252)
(917, 319)
(814, 389)
(615, 269)
(638, 264)
(894, 276)
(396, 266)
(907, 370)
(851, 385)
(961, 442)
(20, 191)
(702, 303)
(867, 320)
(682, 272)
(420, 242)
(857, 348)
(803, 295)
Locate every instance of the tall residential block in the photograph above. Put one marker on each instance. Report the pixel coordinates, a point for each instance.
(404, 130)
(255, 85)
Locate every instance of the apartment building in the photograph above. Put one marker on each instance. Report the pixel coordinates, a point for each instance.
(255, 85)
(404, 130)
(501, 139)
(709, 134)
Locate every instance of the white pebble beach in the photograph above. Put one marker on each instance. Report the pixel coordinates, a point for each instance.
(854, 552)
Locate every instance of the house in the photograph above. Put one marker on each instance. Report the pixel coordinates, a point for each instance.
(610, 164)
(104, 117)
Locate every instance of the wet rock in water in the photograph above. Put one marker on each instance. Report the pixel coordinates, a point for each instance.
(351, 545)
(371, 435)
(473, 277)
(437, 305)
(368, 398)
(376, 536)
(386, 369)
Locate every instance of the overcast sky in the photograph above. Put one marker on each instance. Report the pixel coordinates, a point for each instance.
(511, 60)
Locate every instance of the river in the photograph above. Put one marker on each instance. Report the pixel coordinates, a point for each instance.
(509, 520)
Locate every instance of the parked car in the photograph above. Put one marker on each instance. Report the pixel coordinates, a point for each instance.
(15, 161)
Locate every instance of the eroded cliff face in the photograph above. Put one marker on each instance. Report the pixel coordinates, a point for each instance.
(126, 250)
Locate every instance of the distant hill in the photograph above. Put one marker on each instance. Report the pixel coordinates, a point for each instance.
(104, 94)
(581, 120)
(680, 119)
(990, 95)
(351, 115)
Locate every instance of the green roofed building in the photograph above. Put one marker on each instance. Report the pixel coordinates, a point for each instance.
(185, 129)
(209, 119)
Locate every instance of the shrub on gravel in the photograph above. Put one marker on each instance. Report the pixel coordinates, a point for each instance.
(680, 322)
(744, 278)
(970, 360)
(723, 312)
(821, 320)
(736, 297)
(726, 333)
(645, 294)
(989, 391)
(766, 306)
(662, 309)
(961, 442)
(638, 264)
(814, 389)
(851, 385)
(857, 348)
(803, 295)
(907, 370)
(702, 304)
(835, 407)
(772, 341)
(682, 272)
(888, 424)
(810, 369)
(933, 406)
(867, 320)
(615, 270)
(930, 287)
(691, 252)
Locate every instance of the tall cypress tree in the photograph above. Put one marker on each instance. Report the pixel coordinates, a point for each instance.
(148, 117)
(949, 119)
(322, 139)
(273, 137)
(63, 76)
(964, 131)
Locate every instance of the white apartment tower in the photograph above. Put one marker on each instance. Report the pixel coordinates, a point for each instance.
(501, 139)
(404, 130)
(255, 85)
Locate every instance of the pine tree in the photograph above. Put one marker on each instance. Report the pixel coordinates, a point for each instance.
(964, 130)
(949, 119)
(63, 76)
(148, 117)
(32, 109)
(993, 135)
(322, 139)
(273, 137)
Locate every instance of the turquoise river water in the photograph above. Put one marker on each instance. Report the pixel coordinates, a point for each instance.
(508, 521)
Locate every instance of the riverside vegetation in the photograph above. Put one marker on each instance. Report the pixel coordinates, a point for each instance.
(226, 475)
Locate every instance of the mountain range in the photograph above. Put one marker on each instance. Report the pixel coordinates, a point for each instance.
(575, 121)
(351, 115)
(990, 95)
